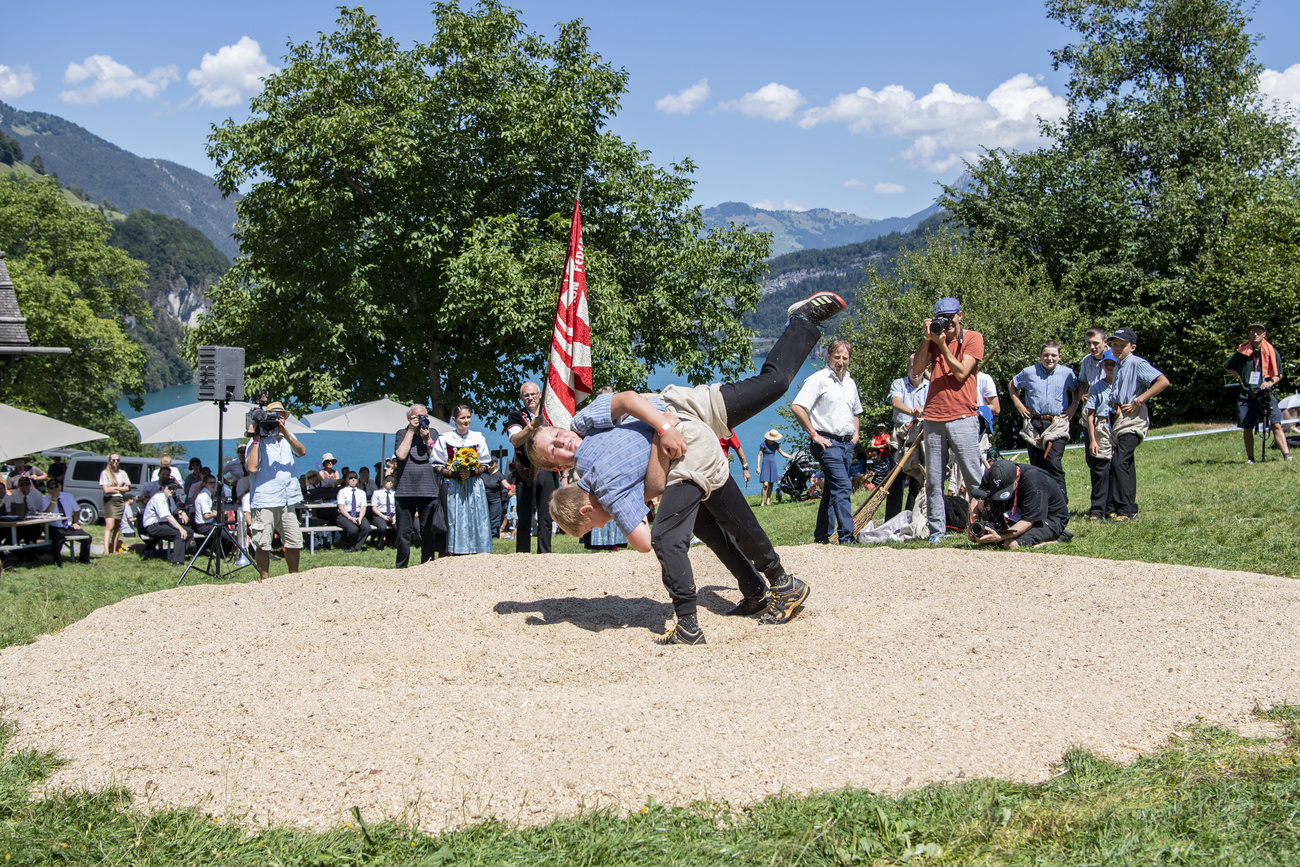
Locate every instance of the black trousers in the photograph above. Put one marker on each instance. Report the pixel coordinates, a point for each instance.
(494, 514)
(1123, 476)
(894, 499)
(1049, 460)
(1099, 474)
(355, 531)
(726, 525)
(535, 497)
(60, 535)
(408, 508)
(384, 529)
(162, 531)
(679, 510)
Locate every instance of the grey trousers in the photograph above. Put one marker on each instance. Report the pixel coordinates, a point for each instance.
(963, 435)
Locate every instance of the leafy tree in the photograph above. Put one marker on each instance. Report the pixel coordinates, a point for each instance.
(408, 208)
(78, 292)
(1165, 142)
(11, 150)
(1015, 306)
(37, 164)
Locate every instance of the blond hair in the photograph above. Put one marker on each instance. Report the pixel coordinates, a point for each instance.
(566, 508)
(535, 457)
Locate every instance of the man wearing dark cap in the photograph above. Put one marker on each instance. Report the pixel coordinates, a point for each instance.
(953, 355)
(1258, 368)
(1020, 506)
(1136, 382)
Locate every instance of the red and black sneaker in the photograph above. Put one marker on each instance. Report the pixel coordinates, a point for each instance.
(818, 308)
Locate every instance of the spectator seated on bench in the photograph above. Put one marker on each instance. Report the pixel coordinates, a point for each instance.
(68, 531)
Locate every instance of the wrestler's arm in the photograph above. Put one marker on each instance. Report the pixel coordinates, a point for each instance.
(656, 472)
(636, 405)
(640, 538)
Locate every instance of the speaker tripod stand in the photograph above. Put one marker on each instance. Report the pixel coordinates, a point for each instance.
(225, 540)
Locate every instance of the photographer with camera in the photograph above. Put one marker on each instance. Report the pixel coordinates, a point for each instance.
(1018, 506)
(273, 486)
(1258, 368)
(953, 355)
(419, 488)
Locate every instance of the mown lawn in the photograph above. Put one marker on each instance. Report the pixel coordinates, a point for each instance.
(1209, 797)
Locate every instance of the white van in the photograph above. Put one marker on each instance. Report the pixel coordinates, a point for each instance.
(82, 479)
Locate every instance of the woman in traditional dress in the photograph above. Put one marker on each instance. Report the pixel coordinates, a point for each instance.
(768, 474)
(467, 509)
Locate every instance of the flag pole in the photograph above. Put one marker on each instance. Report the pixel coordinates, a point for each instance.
(559, 291)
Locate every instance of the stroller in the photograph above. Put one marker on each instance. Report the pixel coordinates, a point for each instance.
(794, 481)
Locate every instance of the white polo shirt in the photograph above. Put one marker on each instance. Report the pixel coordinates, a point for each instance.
(832, 403)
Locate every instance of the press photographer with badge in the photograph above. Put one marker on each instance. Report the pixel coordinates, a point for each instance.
(273, 487)
(1258, 368)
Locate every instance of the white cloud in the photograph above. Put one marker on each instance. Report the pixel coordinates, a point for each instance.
(16, 81)
(783, 205)
(112, 80)
(854, 184)
(944, 126)
(887, 189)
(1283, 87)
(772, 101)
(687, 101)
(231, 75)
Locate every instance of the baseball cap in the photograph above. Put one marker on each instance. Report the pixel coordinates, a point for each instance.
(1260, 325)
(947, 307)
(1125, 334)
(998, 483)
(1109, 356)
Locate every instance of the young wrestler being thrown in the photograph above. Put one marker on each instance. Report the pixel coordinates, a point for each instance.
(629, 448)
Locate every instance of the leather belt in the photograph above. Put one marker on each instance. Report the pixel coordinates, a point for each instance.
(839, 439)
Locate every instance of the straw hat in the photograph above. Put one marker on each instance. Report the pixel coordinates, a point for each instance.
(773, 436)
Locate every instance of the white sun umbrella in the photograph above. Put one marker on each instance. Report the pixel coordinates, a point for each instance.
(1289, 402)
(24, 433)
(376, 416)
(198, 421)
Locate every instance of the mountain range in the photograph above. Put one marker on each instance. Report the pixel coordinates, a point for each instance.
(105, 171)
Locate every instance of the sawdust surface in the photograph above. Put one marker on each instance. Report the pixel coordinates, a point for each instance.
(526, 687)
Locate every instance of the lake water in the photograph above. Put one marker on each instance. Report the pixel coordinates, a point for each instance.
(356, 450)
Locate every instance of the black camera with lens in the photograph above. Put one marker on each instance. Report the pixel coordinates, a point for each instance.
(265, 422)
(939, 324)
(424, 421)
(979, 528)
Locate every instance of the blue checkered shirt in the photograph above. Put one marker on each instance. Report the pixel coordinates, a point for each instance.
(612, 460)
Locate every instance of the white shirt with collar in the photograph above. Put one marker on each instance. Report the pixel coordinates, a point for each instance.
(353, 500)
(34, 499)
(384, 502)
(203, 504)
(832, 402)
(157, 510)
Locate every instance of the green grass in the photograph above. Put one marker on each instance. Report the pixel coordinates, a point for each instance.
(1208, 797)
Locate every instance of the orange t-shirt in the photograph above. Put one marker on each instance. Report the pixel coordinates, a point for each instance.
(949, 400)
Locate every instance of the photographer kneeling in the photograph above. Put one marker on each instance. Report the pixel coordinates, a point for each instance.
(1017, 505)
(274, 489)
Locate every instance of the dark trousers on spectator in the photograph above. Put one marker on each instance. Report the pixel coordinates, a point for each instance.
(409, 510)
(1123, 476)
(384, 530)
(1099, 474)
(61, 535)
(894, 499)
(536, 498)
(355, 531)
(1049, 460)
(494, 514)
(162, 531)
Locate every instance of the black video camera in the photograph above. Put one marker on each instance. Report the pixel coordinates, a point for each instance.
(939, 324)
(424, 421)
(266, 423)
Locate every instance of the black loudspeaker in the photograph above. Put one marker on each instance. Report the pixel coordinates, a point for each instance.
(221, 373)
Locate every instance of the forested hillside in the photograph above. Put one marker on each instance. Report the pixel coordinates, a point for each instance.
(838, 269)
(182, 265)
(105, 171)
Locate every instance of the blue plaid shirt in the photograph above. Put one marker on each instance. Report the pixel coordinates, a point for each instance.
(1133, 376)
(1047, 393)
(612, 460)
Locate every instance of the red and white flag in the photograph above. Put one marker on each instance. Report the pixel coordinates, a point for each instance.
(568, 373)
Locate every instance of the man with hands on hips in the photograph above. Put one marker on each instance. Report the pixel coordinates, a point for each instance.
(828, 408)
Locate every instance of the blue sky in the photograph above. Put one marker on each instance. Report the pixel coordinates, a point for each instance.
(860, 107)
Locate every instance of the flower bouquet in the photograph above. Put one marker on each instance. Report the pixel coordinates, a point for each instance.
(466, 458)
